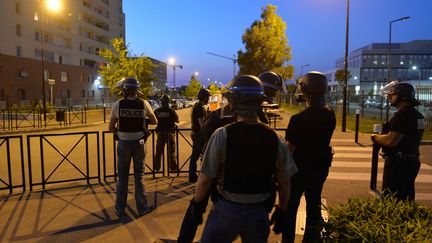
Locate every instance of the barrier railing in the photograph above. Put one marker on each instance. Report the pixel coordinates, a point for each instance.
(9, 154)
(47, 158)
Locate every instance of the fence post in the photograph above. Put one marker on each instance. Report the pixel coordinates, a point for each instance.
(357, 125)
(374, 167)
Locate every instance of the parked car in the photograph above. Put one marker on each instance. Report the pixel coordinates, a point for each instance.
(369, 103)
(154, 104)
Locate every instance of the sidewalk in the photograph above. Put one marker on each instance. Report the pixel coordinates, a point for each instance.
(86, 213)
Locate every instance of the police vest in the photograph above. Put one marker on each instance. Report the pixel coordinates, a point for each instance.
(131, 115)
(250, 158)
(166, 120)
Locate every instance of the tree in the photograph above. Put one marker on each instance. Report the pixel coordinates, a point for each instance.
(340, 76)
(266, 46)
(193, 88)
(214, 89)
(121, 63)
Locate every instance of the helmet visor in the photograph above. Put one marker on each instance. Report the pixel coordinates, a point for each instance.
(390, 88)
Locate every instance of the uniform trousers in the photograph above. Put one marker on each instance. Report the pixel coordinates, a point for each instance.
(309, 182)
(399, 177)
(165, 137)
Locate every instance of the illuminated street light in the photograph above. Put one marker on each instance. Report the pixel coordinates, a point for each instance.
(172, 63)
(302, 68)
(389, 57)
(52, 6)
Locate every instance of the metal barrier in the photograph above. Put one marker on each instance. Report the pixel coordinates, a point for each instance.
(47, 163)
(5, 145)
(109, 144)
(76, 116)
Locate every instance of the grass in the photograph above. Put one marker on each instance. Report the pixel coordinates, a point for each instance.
(365, 126)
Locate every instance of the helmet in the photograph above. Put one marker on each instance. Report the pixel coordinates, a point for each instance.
(245, 89)
(130, 84)
(272, 82)
(405, 91)
(203, 94)
(165, 98)
(313, 84)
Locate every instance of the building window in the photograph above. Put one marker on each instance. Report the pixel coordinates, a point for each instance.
(18, 51)
(64, 76)
(18, 8)
(90, 78)
(83, 93)
(18, 30)
(91, 93)
(60, 59)
(36, 16)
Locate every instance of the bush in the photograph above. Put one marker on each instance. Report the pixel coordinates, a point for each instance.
(378, 220)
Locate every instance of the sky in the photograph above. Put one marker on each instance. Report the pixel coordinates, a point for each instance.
(188, 29)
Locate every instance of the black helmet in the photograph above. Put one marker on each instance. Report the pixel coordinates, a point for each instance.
(313, 84)
(405, 91)
(272, 82)
(130, 84)
(165, 98)
(203, 94)
(245, 89)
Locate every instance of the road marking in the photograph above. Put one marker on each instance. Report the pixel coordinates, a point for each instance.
(352, 155)
(354, 148)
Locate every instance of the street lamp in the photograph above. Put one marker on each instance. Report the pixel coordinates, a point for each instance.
(345, 87)
(54, 6)
(171, 62)
(302, 68)
(389, 57)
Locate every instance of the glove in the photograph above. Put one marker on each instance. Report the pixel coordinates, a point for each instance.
(278, 218)
(197, 210)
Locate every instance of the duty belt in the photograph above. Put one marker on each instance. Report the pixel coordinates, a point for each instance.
(399, 155)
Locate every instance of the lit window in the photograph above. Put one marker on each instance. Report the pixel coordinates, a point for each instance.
(36, 16)
(401, 63)
(375, 62)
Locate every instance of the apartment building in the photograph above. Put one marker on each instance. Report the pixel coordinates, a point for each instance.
(68, 41)
(410, 62)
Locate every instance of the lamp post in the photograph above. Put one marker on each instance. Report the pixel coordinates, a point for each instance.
(345, 87)
(52, 5)
(302, 68)
(389, 57)
(171, 62)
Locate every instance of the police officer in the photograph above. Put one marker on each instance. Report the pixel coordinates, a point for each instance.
(400, 144)
(308, 134)
(127, 121)
(167, 119)
(272, 83)
(244, 194)
(197, 117)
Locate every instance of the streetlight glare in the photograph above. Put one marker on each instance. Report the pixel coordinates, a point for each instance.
(53, 5)
(414, 67)
(171, 61)
(196, 73)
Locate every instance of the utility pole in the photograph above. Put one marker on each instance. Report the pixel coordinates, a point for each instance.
(234, 60)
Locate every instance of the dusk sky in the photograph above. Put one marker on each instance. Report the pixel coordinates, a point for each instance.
(188, 29)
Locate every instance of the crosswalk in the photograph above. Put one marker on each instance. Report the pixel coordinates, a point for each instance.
(352, 163)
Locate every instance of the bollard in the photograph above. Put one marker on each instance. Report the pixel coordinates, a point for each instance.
(357, 125)
(375, 152)
(104, 115)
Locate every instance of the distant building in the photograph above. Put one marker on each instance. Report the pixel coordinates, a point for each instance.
(160, 74)
(72, 39)
(410, 62)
